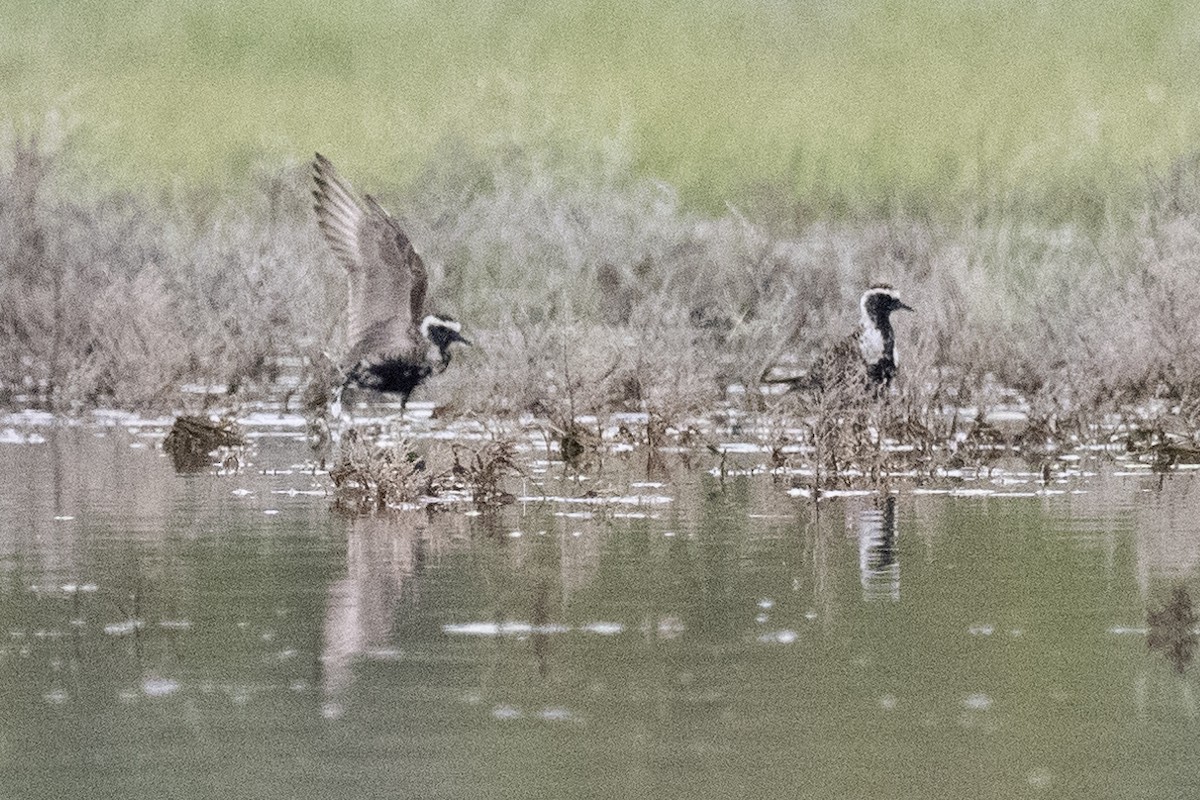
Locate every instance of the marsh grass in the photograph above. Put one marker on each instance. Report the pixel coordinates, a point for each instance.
(485, 470)
(588, 294)
(109, 299)
(854, 439)
(370, 477)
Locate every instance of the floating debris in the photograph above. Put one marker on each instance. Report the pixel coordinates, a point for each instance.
(576, 443)
(192, 440)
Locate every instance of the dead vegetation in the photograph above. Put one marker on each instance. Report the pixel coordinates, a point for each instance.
(192, 441)
(371, 477)
(485, 469)
(598, 292)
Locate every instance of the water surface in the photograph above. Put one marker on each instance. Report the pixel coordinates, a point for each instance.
(233, 635)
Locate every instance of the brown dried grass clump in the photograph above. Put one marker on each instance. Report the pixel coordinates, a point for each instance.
(369, 477)
(485, 469)
(192, 441)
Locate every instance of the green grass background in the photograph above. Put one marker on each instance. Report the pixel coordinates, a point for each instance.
(847, 106)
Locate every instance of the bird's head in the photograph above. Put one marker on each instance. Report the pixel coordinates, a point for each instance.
(878, 303)
(443, 332)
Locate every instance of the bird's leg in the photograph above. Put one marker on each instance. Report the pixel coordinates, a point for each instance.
(335, 407)
(342, 416)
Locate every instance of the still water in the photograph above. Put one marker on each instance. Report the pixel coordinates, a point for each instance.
(692, 635)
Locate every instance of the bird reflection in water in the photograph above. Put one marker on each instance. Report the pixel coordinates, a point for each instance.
(384, 556)
(878, 565)
(1172, 629)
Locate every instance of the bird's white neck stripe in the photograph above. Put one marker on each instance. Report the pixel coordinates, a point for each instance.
(431, 320)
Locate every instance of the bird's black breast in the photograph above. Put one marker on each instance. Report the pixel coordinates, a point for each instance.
(390, 375)
(882, 371)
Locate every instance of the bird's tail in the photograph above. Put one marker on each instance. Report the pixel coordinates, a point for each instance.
(795, 382)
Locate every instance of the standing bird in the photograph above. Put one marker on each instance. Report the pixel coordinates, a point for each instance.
(390, 333)
(865, 359)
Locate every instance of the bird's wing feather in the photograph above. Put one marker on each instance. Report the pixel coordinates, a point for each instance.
(396, 250)
(839, 365)
(387, 277)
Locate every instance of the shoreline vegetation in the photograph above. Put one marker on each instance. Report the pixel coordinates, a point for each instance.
(599, 291)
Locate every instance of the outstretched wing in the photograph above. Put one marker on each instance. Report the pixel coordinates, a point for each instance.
(387, 276)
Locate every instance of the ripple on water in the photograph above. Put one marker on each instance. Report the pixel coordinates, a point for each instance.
(977, 701)
(507, 712)
(123, 628)
(772, 545)
(785, 636)
(513, 628)
(488, 629)
(29, 418)
(13, 436)
(556, 714)
(159, 687)
(261, 419)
